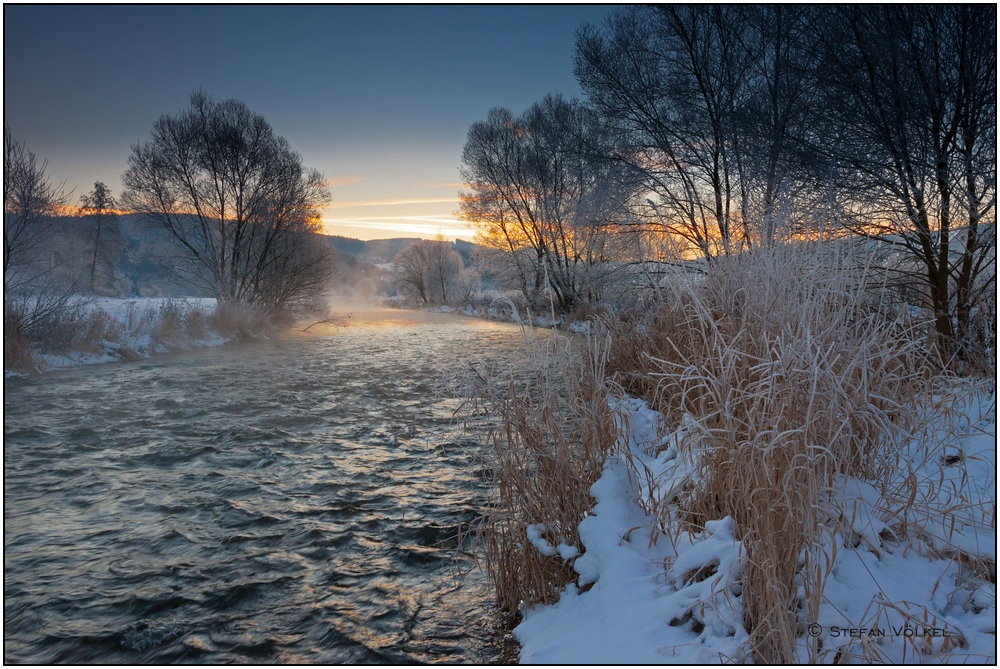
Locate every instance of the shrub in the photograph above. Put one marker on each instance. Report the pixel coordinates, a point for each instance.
(240, 321)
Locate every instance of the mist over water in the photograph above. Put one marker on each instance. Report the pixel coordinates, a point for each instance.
(291, 500)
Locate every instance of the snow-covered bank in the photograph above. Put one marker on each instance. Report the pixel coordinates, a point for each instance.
(129, 309)
(897, 587)
(130, 329)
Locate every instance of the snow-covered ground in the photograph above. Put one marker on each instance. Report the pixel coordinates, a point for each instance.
(886, 598)
(138, 318)
(122, 309)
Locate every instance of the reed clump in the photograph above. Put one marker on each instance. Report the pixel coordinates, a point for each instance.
(789, 369)
(17, 348)
(240, 321)
(551, 431)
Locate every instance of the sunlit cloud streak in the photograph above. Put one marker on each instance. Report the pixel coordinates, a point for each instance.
(407, 226)
(390, 203)
(444, 184)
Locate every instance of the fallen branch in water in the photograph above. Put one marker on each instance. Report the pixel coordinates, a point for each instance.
(337, 321)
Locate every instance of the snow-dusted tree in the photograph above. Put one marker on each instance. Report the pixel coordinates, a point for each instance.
(237, 200)
(430, 271)
(444, 269)
(542, 197)
(411, 270)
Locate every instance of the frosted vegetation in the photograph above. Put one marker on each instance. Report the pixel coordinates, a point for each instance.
(772, 231)
(749, 471)
(778, 442)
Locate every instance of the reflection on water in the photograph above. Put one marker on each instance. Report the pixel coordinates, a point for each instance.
(293, 500)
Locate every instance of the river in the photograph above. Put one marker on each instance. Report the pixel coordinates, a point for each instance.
(293, 500)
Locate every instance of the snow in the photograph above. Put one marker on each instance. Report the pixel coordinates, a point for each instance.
(137, 317)
(120, 308)
(643, 598)
(535, 538)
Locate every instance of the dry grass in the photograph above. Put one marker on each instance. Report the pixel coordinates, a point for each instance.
(550, 437)
(240, 321)
(791, 372)
(788, 371)
(172, 323)
(17, 349)
(74, 329)
(95, 329)
(168, 324)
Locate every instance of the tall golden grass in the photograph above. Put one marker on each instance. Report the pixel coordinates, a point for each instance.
(792, 370)
(551, 433)
(789, 368)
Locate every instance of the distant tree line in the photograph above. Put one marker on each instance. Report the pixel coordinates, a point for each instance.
(433, 272)
(711, 130)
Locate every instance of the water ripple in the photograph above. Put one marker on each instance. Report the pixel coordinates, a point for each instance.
(295, 500)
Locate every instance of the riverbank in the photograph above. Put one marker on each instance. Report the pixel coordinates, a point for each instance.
(897, 588)
(802, 480)
(101, 330)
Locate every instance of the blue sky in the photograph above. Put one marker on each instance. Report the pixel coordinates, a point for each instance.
(378, 98)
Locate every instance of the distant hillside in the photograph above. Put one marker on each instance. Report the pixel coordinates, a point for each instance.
(384, 250)
(378, 250)
(137, 245)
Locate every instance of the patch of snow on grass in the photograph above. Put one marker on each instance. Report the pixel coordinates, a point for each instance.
(138, 319)
(642, 597)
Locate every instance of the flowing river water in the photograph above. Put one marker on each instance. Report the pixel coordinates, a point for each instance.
(290, 500)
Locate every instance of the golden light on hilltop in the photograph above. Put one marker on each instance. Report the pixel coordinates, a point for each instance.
(74, 210)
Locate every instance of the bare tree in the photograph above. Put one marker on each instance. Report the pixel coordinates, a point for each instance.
(38, 282)
(236, 199)
(669, 79)
(911, 134)
(430, 271)
(708, 102)
(775, 114)
(542, 196)
(99, 206)
(30, 209)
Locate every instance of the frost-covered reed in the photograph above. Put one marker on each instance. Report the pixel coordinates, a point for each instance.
(104, 330)
(790, 372)
(551, 432)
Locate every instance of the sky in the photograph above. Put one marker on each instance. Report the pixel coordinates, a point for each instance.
(379, 98)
